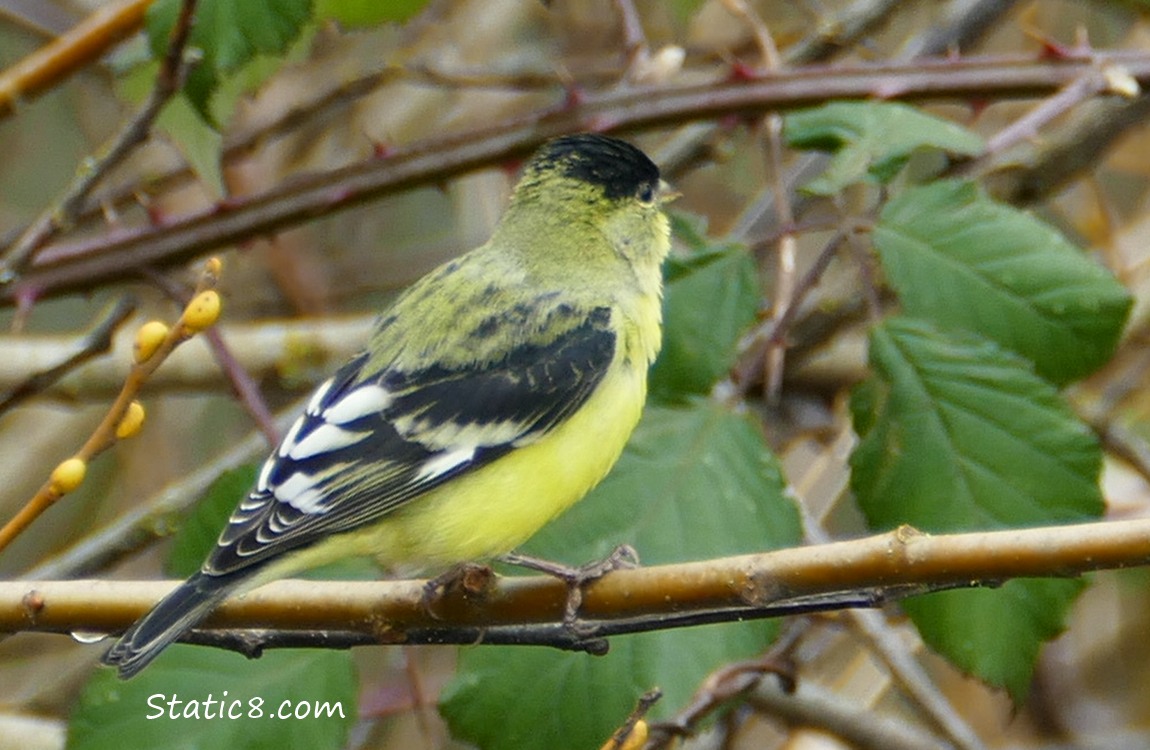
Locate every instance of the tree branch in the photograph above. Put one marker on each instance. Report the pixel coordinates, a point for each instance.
(113, 255)
(70, 52)
(862, 572)
(63, 212)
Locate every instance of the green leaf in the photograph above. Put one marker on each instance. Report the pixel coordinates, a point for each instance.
(695, 482)
(367, 13)
(711, 298)
(960, 259)
(230, 35)
(871, 140)
(957, 434)
(111, 714)
(995, 634)
(200, 530)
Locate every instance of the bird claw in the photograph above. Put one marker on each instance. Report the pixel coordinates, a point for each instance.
(621, 558)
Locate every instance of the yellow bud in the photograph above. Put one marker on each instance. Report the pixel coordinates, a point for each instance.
(634, 740)
(68, 475)
(202, 312)
(213, 266)
(637, 738)
(148, 340)
(131, 422)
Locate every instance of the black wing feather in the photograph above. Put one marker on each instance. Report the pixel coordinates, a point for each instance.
(533, 389)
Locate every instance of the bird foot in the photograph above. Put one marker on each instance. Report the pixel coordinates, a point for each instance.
(622, 557)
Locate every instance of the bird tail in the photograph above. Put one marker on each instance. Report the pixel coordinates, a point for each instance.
(177, 613)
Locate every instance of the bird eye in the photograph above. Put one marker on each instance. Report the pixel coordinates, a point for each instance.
(646, 193)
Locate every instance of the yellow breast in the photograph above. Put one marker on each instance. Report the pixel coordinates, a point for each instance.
(500, 506)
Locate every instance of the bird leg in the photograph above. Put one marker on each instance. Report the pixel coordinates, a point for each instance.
(622, 557)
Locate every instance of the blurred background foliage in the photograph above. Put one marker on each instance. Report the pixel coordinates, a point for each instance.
(366, 78)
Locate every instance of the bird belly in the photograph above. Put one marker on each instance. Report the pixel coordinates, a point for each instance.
(499, 506)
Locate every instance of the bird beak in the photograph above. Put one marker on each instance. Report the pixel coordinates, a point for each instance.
(667, 193)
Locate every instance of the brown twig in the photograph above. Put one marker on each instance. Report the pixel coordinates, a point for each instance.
(729, 682)
(243, 384)
(65, 209)
(69, 474)
(752, 351)
(154, 518)
(291, 352)
(1088, 86)
(834, 34)
(47, 20)
(858, 572)
(634, 40)
(245, 387)
(97, 341)
(840, 31)
(63, 268)
(891, 651)
(786, 250)
(632, 734)
(66, 54)
(860, 727)
(963, 23)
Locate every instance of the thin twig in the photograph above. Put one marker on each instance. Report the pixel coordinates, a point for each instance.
(66, 54)
(905, 670)
(963, 22)
(860, 727)
(913, 679)
(66, 208)
(155, 517)
(245, 387)
(754, 347)
(623, 736)
(731, 681)
(243, 384)
(839, 32)
(97, 341)
(107, 432)
(1087, 86)
(836, 33)
(868, 276)
(634, 40)
(61, 268)
(861, 572)
(786, 249)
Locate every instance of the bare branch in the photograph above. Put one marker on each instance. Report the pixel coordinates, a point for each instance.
(62, 268)
(64, 211)
(862, 572)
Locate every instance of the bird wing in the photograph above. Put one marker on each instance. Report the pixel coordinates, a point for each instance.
(416, 430)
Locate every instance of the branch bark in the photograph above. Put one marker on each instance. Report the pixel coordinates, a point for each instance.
(117, 253)
(859, 572)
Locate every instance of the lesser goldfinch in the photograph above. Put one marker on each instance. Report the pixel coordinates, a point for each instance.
(493, 394)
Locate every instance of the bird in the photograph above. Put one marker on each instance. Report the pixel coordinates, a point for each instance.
(493, 394)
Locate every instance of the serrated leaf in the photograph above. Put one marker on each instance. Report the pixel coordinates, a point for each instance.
(198, 533)
(230, 35)
(711, 298)
(957, 434)
(112, 714)
(871, 140)
(996, 634)
(962, 260)
(695, 482)
(368, 13)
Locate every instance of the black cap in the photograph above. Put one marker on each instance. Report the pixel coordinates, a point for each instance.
(620, 168)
